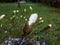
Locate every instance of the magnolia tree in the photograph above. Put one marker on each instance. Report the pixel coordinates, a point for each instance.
(27, 32)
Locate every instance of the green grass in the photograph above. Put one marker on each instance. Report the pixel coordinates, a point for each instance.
(16, 25)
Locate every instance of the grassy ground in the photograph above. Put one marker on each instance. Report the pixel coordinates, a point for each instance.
(16, 25)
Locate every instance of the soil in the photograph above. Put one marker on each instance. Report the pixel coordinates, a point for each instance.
(55, 11)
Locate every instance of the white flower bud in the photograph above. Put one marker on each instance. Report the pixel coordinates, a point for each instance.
(50, 25)
(1, 25)
(13, 16)
(2, 16)
(14, 11)
(21, 16)
(33, 18)
(24, 10)
(5, 31)
(17, 11)
(25, 19)
(41, 21)
(40, 18)
(31, 8)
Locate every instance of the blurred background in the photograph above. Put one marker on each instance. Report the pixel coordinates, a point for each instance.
(17, 12)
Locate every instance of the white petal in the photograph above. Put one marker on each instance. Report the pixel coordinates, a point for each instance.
(33, 18)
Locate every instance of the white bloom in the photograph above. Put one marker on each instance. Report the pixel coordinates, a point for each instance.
(40, 18)
(50, 25)
(2, 16)
(33, 18)
(17, 11)
(13, 16)
(1, 25)
(25, 19)
(31, 8)
(41, 21)
(21, 16)
(24, 10)
(14, 11)
(5, 31)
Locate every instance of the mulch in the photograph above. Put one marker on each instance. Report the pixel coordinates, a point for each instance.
(55, 11)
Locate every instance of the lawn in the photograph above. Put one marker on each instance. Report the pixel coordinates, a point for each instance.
(15, 26)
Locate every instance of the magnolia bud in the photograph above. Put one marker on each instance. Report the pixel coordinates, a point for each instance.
(2, 16)
(40, 18)
(50, 25)
(17, 11)
(21, 16)
(33, 18)
(28, 26)
(31, 8)
(1, 25)
(47, 27)
(24, 17)
(5, 31)
(41, 21)
(14, 11)
(24, 10)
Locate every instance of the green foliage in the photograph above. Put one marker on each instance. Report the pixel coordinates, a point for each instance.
(15, 26)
